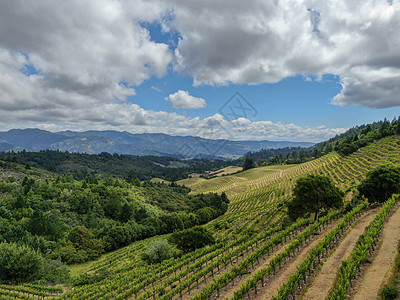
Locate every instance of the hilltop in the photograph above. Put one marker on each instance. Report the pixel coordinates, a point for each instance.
(157, 144)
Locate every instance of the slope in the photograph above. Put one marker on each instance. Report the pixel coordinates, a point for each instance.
(255, 242)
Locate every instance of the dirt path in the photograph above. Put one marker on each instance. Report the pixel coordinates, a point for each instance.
(272, 286)
(324, 279)
(376, 273)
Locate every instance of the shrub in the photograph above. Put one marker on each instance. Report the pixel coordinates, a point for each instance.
(389, 292)
(56, 272)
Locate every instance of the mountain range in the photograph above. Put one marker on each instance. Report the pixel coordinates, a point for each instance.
(95, 142)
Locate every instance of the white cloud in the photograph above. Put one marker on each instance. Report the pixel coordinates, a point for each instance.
(133, 118)
(283, 132)
(261, 41)
(156, 88)
(378, 88)
(85, 51)
(182, 99)
(91, 55)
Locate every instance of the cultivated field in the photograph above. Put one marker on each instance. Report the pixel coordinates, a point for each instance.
(256, 255)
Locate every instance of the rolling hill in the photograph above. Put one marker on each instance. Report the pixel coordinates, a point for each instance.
(96, 142)
(257, 254)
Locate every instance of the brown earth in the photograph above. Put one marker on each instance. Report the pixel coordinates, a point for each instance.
(379, 270)
(271, 287)
(326, 276)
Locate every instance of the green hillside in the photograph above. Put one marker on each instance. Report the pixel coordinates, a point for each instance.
(251, 236)
(58, 220)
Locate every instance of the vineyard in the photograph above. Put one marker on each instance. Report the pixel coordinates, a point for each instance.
(259, 254)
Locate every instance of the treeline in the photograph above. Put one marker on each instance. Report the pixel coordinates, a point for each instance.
(73, 221)
(345, 144)
(267, 156)
(82, 164)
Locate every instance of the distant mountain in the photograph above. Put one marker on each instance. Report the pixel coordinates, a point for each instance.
(128, 143)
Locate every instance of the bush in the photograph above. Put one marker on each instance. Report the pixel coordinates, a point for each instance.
(56, 272)
(389, 292)
(157, 252)
(20, 263)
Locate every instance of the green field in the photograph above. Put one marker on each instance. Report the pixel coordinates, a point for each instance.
(255, 255)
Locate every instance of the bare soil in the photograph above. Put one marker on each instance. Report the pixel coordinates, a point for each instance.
(324, 279)
(271, 287)
(376, 273)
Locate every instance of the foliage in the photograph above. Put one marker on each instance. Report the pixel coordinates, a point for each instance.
(191, 239)
(254, 237)
(381, 183)
(345, 144)
(365, 244)
(248, 164)
(56, 272)
(157, 252)
(268, 156)
(313, 193)
(308, 264)
(130, 167)
(20, 263)
(76, 221)
(389, 292)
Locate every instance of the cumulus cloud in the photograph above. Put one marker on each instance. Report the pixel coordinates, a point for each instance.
(133, 118)
(73, 64)
(182, 99)
(265, 41)
(85, 52)
(282, 132)
(378, 88)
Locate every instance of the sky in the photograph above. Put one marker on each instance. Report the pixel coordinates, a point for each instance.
(294, 70)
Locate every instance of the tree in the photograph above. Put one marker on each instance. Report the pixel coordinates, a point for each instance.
(248, 164)
(381, 183)
(20, 263)
(157, 252)
(313, 193)
(126, 213)
(191, 239)
(132, 178)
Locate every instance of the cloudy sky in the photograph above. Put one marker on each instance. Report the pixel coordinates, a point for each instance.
(278, 70)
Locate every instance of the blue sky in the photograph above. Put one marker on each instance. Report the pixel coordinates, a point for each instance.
(305, 101)
(292, 100)
(310, 70)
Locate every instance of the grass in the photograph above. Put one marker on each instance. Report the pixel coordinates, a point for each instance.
(79, 269)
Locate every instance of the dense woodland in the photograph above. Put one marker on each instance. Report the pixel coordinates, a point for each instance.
(72, 221)
(123, 166)
(144, 167)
